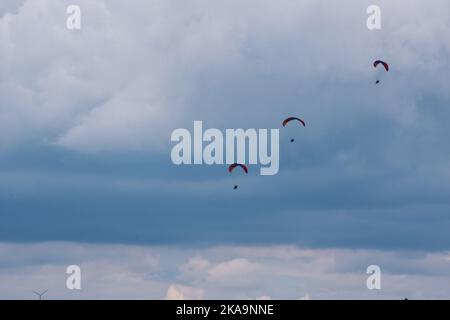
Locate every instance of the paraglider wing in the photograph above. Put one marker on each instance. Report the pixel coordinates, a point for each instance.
(235, 165)
(385, 65)
(285, 122)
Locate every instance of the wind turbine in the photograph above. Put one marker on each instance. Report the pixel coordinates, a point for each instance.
(40, 294)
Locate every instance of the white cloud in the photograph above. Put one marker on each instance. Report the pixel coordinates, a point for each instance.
(179, 292)
(139, 69)
(194, 267)
(232, 271)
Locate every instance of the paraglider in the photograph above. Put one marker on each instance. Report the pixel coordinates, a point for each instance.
(384, 64)
(234, 166)
(286, 121)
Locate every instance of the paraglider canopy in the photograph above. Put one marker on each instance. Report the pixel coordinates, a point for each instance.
(286, 121)
(385, 65)
(235, 165)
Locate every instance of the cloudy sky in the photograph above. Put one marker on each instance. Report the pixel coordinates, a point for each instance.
(86, 176)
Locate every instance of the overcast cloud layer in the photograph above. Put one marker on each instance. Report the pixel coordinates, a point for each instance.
(86, 118)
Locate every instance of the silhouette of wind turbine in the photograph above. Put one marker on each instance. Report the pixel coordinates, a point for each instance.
(40, 294)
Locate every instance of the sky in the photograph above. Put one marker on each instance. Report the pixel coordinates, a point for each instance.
(85, 171)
